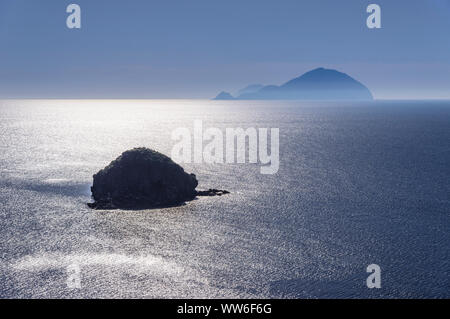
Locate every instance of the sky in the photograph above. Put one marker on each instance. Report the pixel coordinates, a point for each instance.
(197, 48)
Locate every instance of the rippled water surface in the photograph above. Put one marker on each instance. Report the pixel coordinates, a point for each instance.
(358, 184)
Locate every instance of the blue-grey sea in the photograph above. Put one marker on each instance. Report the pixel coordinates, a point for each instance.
(358, 184)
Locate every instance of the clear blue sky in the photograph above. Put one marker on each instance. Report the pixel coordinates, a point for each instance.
(193, 49)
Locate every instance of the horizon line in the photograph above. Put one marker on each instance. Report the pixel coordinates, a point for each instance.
(212, 99)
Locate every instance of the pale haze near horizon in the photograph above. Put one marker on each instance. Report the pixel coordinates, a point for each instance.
(155, 49)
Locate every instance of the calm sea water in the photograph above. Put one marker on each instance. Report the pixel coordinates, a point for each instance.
(358, 184)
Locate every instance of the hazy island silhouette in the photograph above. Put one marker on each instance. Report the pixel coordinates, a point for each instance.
(318, 84)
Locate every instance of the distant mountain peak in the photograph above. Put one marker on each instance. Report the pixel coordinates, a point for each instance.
(317, 84)
(224, 96)
(321, 75)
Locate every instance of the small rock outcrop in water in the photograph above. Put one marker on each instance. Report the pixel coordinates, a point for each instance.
(143, 178)
(212, 192)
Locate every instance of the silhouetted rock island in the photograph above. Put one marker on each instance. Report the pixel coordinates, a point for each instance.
(142, 178)
(318, 84)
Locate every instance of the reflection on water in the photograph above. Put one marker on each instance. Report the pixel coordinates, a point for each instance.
(51, 185)
(358, 184)
(139, 264)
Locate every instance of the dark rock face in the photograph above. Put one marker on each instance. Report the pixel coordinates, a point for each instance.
(142, 178)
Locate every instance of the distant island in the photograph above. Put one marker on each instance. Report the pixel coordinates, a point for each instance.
(142, 178)
(318, 84)
(224, 96)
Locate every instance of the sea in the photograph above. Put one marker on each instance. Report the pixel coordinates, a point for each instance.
(359, 183)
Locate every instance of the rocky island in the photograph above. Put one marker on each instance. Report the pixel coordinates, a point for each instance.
(224, 96)
(142, 178)
(318, 84)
